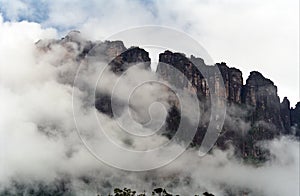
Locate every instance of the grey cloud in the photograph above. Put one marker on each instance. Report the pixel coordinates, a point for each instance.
(40, 145)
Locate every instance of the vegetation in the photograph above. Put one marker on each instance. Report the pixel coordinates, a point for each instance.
(155, 192)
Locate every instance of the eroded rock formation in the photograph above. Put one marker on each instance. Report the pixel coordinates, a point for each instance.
(254, 108)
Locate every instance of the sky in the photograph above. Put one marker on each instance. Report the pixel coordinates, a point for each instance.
(261, 35)
(43, 108)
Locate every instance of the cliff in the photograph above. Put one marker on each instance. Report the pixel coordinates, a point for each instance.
(295, 119)
(254, 111)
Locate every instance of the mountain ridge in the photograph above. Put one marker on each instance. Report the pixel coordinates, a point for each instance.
(254, 107)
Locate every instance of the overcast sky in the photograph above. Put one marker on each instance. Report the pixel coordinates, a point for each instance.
(260, 35)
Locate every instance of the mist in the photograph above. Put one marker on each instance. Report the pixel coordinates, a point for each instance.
(45, 106)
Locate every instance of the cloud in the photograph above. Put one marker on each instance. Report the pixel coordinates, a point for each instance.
(40, 145)
(19, 10)
(250, 35)
(13, 9)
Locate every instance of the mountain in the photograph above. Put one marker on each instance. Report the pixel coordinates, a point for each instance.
(257, 100)
(254, 111)
(65, 110)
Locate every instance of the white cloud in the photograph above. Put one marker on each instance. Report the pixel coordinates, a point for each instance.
(249, 35)
(34, 102)
(14, 9)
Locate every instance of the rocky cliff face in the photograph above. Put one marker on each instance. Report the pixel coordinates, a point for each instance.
(233, 82)
(73, 50)
(132, 56)
(232, 77)
(285, 113)
(260, 93)
(254, 111)
(120, 63)
(295, 119)
(254, 108)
